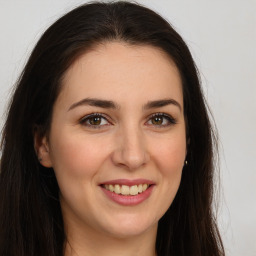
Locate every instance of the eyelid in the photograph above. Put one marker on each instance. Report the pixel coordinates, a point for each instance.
(171, 119)
(97, 114)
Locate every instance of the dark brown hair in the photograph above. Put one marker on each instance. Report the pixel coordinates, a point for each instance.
(30, 215)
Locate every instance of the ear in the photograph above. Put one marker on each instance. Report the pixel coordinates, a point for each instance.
(41, 146)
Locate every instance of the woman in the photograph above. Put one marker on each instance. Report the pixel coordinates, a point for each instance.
(107, 148)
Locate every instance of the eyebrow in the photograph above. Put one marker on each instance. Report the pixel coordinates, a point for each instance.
(95, 103)
(111, 105)
(162, 103)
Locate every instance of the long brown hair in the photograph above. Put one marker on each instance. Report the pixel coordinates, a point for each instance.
(30, 215)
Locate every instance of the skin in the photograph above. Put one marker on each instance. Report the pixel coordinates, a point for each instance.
(127, 144)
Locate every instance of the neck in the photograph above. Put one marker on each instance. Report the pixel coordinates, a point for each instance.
(81, 243)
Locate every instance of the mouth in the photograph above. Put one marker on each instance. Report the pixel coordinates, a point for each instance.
(126, 190)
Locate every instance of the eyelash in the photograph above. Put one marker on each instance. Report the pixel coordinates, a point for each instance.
(170, 119)
(84, 120)
(93, 115)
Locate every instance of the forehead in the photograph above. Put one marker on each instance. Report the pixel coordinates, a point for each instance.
(117, 69)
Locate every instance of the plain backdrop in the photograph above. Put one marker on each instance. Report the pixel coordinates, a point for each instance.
(222, 38)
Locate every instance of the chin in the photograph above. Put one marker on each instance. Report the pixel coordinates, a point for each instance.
(129, 227)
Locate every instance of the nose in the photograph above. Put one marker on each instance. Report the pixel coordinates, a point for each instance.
(130, 150)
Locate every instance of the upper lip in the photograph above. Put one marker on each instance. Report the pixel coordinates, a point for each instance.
(128, 182)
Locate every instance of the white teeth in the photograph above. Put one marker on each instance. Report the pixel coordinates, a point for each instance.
(117, 189)
(126, 190)
(144, 187)
(134, 190)
(111, 188)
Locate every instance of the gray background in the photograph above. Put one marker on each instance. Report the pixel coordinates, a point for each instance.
(222, 39)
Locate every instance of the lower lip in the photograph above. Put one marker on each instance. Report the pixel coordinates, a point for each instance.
(128, 200)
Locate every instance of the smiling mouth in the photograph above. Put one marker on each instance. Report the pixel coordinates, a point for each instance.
(126, 190)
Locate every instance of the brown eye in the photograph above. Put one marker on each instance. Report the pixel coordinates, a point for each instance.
(95, 120)
(157, 120)
(161, 120)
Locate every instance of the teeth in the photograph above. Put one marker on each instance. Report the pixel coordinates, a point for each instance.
(111, 188)
(117, 189)
(134, 190)
(126, 190)
(144, 187)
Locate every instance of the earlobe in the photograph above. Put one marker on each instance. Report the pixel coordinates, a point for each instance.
(41, 146)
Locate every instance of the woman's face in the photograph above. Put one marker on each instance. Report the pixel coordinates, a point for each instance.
(117, 140)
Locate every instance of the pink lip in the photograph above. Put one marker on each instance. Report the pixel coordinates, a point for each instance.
(128, 200)
(128, 182)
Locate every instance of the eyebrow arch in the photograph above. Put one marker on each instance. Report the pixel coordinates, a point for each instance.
(162, 103)
(95, 102)
(110, 104)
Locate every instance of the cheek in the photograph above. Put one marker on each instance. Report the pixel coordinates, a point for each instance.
(77, 157)
(170, 156)
(169, 159)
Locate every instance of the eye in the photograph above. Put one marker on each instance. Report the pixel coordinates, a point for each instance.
(95, 120)
(161, 120)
